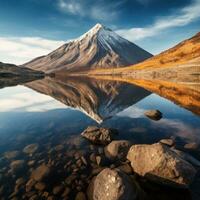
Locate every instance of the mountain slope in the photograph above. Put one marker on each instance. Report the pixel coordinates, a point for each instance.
(183, 56)
(98, 48)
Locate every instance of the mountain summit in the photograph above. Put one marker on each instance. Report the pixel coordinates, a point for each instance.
(100, 47)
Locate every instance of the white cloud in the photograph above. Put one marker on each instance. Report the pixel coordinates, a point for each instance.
(71, 6)
(184, 17)
(132, 112)
(18, 50)
(98, 10)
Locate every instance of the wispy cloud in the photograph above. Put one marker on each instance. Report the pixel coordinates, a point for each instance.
(182, 17)
(19, 50)
(98, 10)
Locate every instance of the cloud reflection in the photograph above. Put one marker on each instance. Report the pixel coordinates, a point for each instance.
(24, 99)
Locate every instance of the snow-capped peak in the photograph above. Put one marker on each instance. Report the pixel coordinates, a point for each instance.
(100, 47)
(105, 36)
(93, 31)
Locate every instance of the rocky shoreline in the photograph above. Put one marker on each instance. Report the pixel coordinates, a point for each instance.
(107, 169)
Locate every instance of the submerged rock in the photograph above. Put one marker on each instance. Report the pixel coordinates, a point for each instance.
(117, 149)
(30, 184)
(153, 114)
(99, 135)
(80, 196)
(40, 173)
(160, 164)
(113, 185)
(31, 148)
(58, 189)
(40, 186)
(191, 146)
(169, 142)
(17, 165)
(11, 154)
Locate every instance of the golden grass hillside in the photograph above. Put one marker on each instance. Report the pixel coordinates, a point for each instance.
(182, 53)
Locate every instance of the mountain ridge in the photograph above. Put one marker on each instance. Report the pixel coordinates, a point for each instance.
(100, 47)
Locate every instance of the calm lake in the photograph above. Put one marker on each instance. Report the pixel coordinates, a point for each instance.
(52, 113)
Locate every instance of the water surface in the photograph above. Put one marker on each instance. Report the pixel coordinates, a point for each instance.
(52, 112)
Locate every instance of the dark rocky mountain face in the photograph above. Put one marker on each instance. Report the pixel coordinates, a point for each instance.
(100, 47)
(99, 99)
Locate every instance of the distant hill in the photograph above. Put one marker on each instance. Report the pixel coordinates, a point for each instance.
(13, 70)
(99, 48)
(11, 75)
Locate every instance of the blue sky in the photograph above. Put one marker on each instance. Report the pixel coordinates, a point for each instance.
(31, 28)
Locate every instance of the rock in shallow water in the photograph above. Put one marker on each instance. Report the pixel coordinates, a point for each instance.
(40, 186)
(11, 154)
(169, 142)
(112, 185)
(191, 146)
(80, 196)
(153, 114)
(40, 173)
(17, 165)
(160, 164)
(117, 149)
(99, 135)
(31, 148)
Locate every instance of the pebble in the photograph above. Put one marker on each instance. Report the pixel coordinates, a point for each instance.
(80, 196)
(98, 160)
(57, 189)
(40, 186)
(66, 192)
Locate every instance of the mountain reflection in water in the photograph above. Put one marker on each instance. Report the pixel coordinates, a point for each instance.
(52, 113)
(99, 99)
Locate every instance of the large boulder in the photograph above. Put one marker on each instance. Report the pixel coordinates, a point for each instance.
(99, 135)
(113, 185)
(117, 149)
(153, 114)
(159, 163)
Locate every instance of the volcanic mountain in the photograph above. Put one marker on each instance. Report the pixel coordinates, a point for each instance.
(100, 47)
